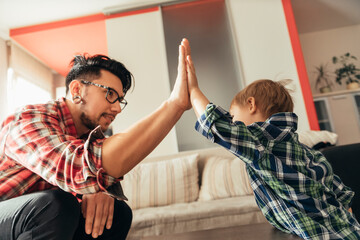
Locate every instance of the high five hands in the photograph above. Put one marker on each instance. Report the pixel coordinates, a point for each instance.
(197, 99)
(190, 69)
(186, 80)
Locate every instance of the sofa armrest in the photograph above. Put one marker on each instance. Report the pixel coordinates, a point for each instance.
(345, 160)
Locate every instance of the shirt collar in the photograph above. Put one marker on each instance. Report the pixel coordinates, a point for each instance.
(66, 117)
(284, 120)
(275, 127)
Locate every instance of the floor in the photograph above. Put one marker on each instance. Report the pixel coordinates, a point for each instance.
(263, 231)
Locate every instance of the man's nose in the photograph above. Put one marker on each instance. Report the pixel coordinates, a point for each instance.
(116, 107)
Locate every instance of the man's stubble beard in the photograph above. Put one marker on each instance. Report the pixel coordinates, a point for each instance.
(90, 124)
(87, 122)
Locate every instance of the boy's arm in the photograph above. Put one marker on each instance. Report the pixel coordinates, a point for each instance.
(197, 98)
(344, 193)
(198, 101)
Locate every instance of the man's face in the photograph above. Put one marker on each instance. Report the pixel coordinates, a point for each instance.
(96, 110)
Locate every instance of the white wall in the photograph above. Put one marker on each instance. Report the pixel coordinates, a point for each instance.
(3, 79)
(264, 46)
(261, 37)
(138, 42)
(319, 48)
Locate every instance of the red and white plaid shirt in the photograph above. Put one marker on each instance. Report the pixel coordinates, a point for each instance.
(40, 149)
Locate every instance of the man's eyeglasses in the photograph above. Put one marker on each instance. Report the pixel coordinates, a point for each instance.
(111, 95)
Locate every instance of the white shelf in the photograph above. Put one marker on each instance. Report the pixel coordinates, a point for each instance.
(336, 93)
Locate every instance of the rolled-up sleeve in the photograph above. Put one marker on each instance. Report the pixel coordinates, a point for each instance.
(37, 142)
(216, 125)
(343, 193)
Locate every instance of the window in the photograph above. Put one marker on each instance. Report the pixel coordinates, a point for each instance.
(22, 92)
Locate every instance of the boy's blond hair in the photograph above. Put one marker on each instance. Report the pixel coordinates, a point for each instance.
(270, 97)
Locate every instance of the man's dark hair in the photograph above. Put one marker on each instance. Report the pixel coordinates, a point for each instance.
(88, 67)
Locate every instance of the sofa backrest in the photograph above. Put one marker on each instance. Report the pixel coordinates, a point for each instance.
(204, 154)
(346, 163)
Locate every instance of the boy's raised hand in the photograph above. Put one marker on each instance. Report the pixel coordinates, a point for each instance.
(198, 99)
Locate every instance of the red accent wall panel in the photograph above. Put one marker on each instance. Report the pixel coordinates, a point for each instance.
(56, 43)
(300, 65)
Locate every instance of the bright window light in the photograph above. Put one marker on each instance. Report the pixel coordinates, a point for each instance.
(22, 92)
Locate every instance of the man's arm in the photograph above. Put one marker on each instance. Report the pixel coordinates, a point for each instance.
(121, 152)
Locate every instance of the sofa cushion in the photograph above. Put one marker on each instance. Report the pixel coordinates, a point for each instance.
(162, 183)
(310, 138)
(224, 177)
(345, 162)
(195, 216)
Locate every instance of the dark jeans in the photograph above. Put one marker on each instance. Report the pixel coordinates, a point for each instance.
(55, 215)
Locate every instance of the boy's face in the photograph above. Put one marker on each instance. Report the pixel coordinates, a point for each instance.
(241, 113)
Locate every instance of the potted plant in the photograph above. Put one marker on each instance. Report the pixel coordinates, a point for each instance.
(347, 72)
(323, 82)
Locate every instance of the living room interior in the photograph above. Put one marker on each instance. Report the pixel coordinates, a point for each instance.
(234, 43)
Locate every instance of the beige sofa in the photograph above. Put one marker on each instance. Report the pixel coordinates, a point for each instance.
(189, 191)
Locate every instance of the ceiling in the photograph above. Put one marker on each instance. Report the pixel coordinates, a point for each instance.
(54, 31)
(317, 15)
(310, 15)
(21, 13)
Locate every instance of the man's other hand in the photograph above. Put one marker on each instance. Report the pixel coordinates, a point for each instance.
(98, 210)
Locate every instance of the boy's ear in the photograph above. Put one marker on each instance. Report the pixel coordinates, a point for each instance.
(251, 105)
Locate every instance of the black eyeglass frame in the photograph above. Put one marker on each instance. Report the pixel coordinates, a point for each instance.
(121, 100)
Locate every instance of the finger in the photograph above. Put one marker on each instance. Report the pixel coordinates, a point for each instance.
(97, 220)
(90, 213)
(181, 65)
(186, 44)
(83, 207)
(104, 217)
(190, 63)
(110, 215)
(183, 44)
(188, 74)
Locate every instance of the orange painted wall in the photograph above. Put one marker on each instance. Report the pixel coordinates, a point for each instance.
(300, 65)
(56, 43)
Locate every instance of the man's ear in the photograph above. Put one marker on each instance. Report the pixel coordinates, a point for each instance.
(74, 88)
(251, 105)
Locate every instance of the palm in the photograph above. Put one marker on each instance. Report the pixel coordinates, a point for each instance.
(180, 92)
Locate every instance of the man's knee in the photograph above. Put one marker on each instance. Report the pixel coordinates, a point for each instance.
(122, 220)
(123, 212)
(60, 204)
(57, 215)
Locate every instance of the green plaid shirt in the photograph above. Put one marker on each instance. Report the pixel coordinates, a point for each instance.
(294, 186)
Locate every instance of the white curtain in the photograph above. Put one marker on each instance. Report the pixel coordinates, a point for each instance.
(3, 79)
(33, 70)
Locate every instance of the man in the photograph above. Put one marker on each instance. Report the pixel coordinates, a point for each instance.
(51, 152)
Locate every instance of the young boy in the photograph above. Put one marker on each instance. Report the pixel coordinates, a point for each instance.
(294, 186)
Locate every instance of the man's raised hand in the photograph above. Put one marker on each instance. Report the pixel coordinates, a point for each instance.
(180, 94)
